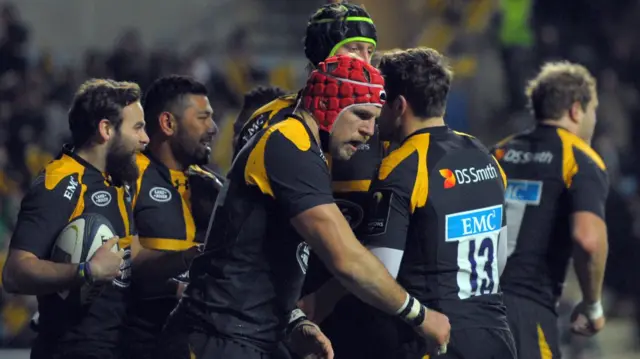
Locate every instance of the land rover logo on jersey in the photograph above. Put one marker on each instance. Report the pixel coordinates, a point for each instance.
(160, 194)
(352, 212)
(302, 254)
(101, 198)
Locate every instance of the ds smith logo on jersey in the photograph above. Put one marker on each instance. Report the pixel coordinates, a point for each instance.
(468, 175)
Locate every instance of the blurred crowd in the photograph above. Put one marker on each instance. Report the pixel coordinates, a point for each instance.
(518, 35)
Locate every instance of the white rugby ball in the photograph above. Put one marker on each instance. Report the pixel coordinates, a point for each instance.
(78, 242)
(81, 237)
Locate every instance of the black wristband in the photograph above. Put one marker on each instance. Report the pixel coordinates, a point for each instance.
(413, 312)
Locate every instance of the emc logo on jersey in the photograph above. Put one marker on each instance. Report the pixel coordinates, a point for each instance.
(468, 175)
(465, 225)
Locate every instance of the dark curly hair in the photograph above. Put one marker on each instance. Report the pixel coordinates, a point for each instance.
(96, 100)
(168, 94)
(421, 75)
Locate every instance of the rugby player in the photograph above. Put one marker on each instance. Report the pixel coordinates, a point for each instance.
(334, 29)
(276, 199)
(253, 100)
(436, 221)
(107, 125)
(181, 127)
(556, 198)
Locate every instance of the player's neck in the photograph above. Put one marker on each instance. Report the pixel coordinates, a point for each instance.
(95, 155)
(564, 123)
(161, 151)
(417, 124)
(312, 124)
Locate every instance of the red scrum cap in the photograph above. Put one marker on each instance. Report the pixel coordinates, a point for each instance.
(340, 82)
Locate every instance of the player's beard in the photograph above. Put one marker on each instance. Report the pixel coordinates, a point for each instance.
(189, 152)
(121, 162)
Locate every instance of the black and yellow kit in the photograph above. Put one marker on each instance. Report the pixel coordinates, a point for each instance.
(350, 180)
(65, 189)
(250, 275)
(552, 174)
(163, 213)
(436, 220)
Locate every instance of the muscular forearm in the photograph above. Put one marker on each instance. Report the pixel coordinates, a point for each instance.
(366, 277)
(590, 267)
(33, 276)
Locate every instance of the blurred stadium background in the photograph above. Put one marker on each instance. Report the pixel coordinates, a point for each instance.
(48, 47)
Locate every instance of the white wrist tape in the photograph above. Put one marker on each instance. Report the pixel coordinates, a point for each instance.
(404, 306)
(296, 314)
(594, 311)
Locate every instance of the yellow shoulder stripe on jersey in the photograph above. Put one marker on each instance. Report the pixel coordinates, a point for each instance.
(463, 134)
(61, 168)
(273, 107)
(57, 170)
(504, 175)
(569, 163)
(166, 244)
(417, 143)
(143, 163)
(255, 172)
(504, 141)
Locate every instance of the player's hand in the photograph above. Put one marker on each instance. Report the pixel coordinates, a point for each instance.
(105, 264)
(436, 327)
(308, 342)
(584, 322)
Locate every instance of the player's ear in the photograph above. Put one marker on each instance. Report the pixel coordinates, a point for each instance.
(105, 130)
(400, 105)
(576, 112)
(167, 123)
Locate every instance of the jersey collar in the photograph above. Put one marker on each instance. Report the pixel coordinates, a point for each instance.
(434, 130)
(69, 150)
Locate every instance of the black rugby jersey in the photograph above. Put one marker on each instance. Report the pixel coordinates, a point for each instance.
(249, 278)
(66, 188)
(350, 179)
(552, 173)
(437, 206)
(164, 216)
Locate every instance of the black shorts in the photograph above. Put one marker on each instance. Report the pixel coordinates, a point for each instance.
(203, 346)
(189, 344)
(467, 343)
(148, 345)
(534, 328)
(48, 349)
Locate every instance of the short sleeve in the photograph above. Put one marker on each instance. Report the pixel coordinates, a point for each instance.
(299, 177)
(44, 212)
(589, 186)
(389, 210)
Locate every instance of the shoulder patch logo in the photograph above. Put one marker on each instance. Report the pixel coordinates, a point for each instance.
(101, 198)
(160, 194)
